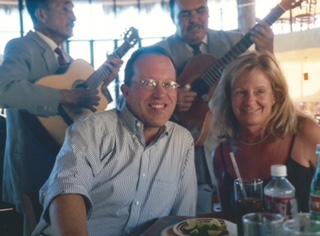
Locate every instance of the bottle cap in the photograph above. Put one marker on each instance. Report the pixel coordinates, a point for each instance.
(278, 170)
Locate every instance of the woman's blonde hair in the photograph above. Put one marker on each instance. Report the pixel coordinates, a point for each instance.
(284, 118)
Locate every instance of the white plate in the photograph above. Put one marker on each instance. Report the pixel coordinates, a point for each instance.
(231, 227)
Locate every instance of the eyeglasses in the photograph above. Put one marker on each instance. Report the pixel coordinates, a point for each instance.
(151, 84)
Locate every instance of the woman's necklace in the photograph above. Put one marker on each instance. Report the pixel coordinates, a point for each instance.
(252, 144)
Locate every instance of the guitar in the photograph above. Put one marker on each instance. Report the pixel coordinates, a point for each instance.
(79, 75)
(203, 71)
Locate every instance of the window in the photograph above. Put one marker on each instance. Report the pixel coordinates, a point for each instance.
(100, 27)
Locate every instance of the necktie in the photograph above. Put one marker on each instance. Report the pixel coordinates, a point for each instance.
(61, 60)
(196, 49)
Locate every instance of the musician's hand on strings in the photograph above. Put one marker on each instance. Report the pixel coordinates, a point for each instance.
(113, 66)
(185, 98)
(85, 98)
(262, 36)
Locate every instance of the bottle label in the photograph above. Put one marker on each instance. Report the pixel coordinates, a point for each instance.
(286, 206)
(314, 203)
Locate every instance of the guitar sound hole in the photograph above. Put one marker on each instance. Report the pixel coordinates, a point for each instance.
(80, 85)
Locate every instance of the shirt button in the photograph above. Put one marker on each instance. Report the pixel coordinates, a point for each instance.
(143, 175)
(137, 203)
(138, 124)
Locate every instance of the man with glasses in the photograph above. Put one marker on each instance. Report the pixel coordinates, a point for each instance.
(119, 170)
(193, 37)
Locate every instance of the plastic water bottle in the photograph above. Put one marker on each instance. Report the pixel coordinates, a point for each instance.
(314, 202)
(279, 193)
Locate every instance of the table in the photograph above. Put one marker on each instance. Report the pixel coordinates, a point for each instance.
(167, 221)
(162, 223)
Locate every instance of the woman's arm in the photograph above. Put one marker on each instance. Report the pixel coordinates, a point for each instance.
(306, 142)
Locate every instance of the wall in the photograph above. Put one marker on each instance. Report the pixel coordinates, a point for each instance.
(299, 53)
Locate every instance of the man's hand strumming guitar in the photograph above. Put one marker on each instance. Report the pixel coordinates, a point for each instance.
(185, 98)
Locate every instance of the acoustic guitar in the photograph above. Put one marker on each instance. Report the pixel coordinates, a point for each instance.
(203, 71)
(79, 75)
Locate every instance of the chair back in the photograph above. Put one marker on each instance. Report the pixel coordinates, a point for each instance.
(2, 147)
(312, 7)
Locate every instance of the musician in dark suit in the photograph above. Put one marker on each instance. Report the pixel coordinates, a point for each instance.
(28, 161)
(193, 37)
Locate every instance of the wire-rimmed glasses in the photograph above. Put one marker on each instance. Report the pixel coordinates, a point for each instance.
(150, 84)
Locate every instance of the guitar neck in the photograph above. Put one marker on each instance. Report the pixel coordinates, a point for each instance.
(102, 73)
(214, 73)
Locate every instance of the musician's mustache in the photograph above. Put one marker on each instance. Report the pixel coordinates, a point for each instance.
(192, 27)
(71, 24)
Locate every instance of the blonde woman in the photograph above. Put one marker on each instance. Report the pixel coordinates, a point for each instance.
(256, 120)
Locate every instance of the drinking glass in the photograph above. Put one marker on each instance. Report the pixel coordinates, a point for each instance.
(248, 196)
(262, 224)
(302, 225)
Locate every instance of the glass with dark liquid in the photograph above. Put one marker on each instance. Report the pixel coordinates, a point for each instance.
(248, 199)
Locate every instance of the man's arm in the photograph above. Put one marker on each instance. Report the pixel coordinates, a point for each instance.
(68, 215)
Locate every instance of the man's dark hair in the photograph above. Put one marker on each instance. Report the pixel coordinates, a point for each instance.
(171, 6)
(33, 5)
(129, 71)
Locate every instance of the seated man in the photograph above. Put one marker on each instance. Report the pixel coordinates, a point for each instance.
(119, 170)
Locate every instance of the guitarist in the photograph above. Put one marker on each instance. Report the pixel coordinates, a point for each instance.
(193, 37)
(27, 162)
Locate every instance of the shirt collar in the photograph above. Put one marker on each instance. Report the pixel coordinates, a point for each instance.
(136, 126)
(203, 43)
(48, 40)
(205, 39)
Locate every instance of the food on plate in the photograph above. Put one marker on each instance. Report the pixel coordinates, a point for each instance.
(213, 227)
